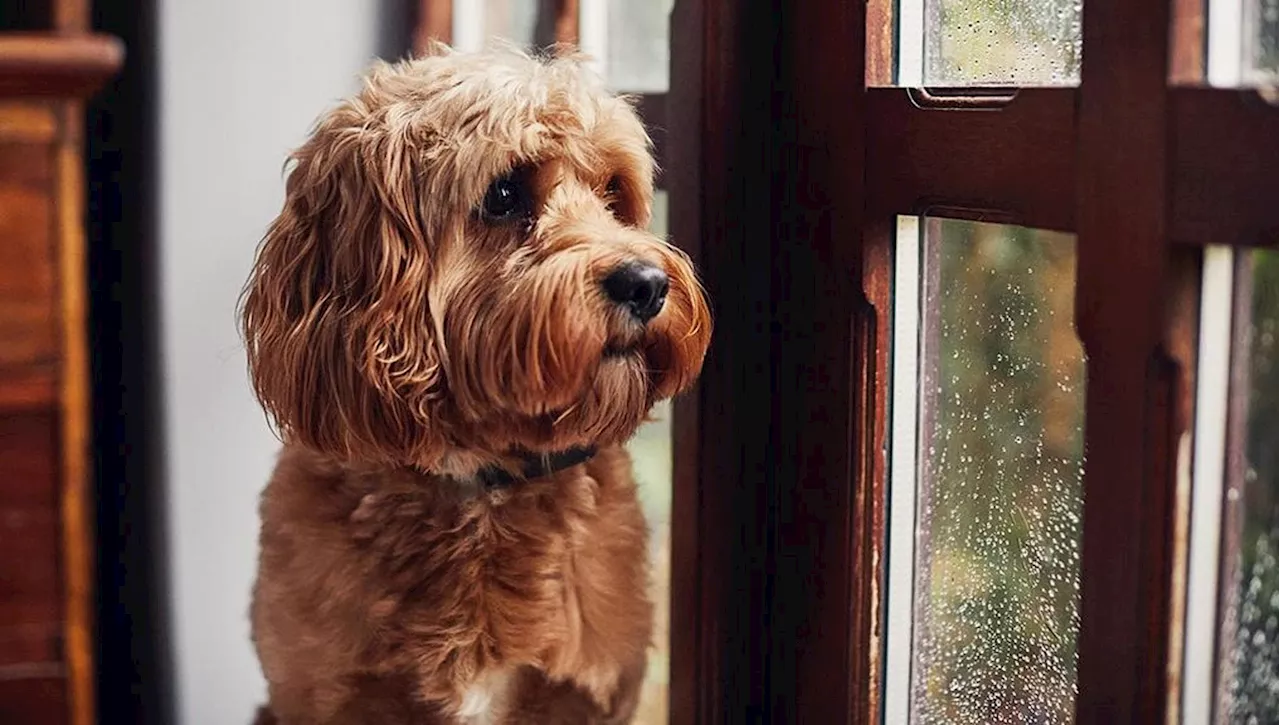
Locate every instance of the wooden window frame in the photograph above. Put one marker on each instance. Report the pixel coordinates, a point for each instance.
(786, 171)
(780, 513)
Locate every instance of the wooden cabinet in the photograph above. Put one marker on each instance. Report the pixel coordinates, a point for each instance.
(46, 621)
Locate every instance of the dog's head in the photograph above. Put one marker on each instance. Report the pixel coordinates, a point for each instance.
(462, 264)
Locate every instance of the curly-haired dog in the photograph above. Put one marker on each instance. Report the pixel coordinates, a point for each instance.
(456, 321)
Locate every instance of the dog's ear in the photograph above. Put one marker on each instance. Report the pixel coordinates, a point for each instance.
(341, 344)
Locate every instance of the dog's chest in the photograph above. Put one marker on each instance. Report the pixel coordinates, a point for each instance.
(487, 700)
(488, 585)
(478, 593)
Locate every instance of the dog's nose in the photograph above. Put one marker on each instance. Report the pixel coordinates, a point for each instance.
(640, 287)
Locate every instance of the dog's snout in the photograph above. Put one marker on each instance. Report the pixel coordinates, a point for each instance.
(640, 287)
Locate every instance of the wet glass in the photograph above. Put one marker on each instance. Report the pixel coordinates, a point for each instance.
(999, 497)
(1247, 660)
(1001, 42)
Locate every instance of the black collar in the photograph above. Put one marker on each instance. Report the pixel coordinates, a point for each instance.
(534, 465)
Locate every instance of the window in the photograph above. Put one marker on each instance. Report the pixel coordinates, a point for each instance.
(1246, 687)
(1230, 654)
(985, 495)
(980, 43)
(914, 214)
(947, 459)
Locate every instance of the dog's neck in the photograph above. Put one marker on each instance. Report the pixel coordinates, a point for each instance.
(532, 466)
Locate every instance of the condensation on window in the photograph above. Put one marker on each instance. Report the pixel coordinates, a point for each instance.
(1001, 448)
(1002, 42)
(1247, 675)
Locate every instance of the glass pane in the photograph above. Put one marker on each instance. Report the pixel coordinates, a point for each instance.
(1260, 28)
(1001, 42)
(651, 458)
(526, 23)
(638, 48)
(514, 20)
(1247, 677)
(1002, 381)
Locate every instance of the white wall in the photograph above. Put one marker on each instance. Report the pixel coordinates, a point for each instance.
(240, 83)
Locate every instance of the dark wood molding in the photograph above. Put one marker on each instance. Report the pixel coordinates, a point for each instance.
(1188, 41)
(1223, 163)
(1122, 199)
(719, 201)
(433, 22)
(564, 17)
(766, 179)
(38, 64)
(1017, 157)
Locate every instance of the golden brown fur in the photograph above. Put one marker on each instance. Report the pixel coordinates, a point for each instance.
(403, 340)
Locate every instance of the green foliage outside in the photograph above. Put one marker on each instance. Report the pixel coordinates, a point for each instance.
(998, 559)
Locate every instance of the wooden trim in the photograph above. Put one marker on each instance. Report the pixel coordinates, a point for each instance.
(1018, 158)
(1187, 42)
(882, 26)
(1121, 208)
(34, 64)
(691, 663)
(873, 334)
(1181, 338)
(768, 176)
(71, 16)
(1223, 167)
(565, 14)
(434, 22)
(1021, 159)
(76, 455)
(819, 226)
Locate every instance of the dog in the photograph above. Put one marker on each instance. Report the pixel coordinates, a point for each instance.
(455, 323)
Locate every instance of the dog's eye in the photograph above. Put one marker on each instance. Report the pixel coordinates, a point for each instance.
(613, 196)
(505, 200)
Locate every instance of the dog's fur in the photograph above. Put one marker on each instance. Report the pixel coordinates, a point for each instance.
(403, 342)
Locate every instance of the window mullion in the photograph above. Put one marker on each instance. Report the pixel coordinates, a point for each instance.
(1121, 206)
